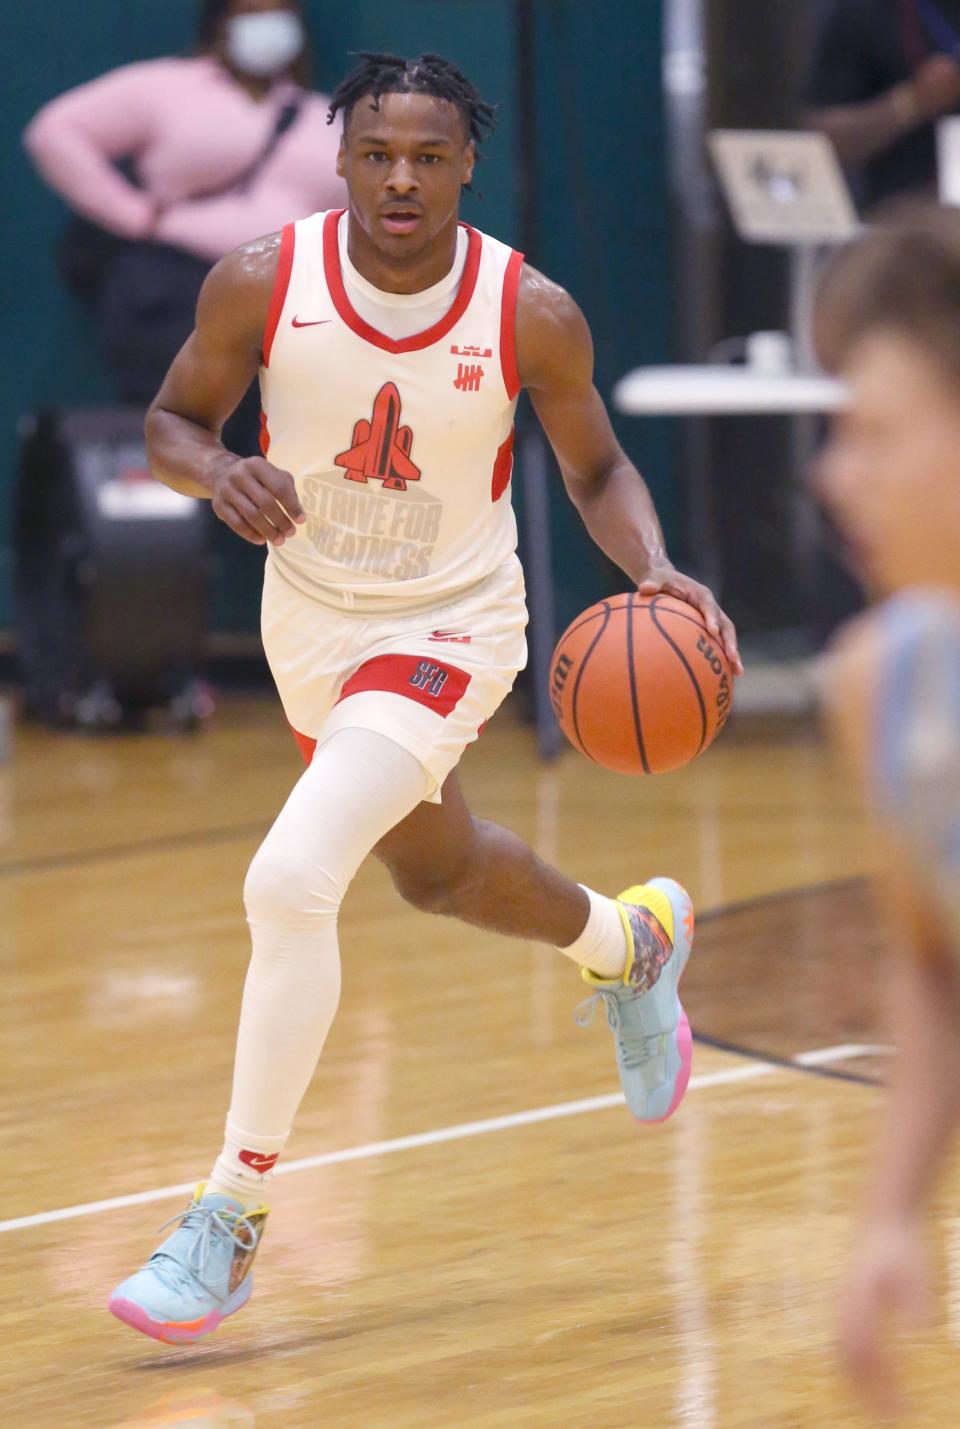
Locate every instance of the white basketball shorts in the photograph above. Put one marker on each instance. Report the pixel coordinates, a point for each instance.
(428, 679)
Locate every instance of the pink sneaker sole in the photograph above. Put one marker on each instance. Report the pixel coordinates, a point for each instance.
(685, 1048)
(169, 1332)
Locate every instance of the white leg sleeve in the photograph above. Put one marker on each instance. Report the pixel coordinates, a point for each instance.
(359, 786)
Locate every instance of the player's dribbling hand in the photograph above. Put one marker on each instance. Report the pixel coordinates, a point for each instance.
(889, 1280)
(668, 580)
(257, 501)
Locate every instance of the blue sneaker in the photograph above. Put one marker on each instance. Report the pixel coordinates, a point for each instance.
(199, 1276)
(651, 1034)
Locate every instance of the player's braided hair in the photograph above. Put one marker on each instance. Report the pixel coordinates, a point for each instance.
(380, 74)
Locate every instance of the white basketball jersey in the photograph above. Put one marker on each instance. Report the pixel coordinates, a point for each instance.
(402, 450)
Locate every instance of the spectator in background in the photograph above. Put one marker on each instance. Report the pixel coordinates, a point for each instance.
(181, 160)
(883, 72)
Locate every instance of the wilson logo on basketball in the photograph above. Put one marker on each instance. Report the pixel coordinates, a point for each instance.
(381, 446)
(719, 669)
(558, 680)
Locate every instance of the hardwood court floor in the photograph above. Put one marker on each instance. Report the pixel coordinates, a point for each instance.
(561, 1267)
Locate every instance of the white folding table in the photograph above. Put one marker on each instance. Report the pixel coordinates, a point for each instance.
(718, 391)
(714, 391)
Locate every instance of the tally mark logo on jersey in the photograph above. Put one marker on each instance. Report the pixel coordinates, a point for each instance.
(469, 374)
(381, 446)
(468, 377)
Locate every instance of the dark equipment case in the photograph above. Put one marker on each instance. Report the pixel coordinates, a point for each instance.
(110, 575)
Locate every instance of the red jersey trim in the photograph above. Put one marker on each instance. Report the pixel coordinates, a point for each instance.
(433, 683)
(280, 285)
(305, 744)
(353, 320)
(508, 325)
(502, 469)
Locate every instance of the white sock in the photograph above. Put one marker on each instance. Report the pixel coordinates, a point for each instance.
(358, 787)
(602, 946)
(245, 1165)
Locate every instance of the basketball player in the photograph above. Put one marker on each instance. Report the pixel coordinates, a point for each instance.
(888, 320)
(392, 342)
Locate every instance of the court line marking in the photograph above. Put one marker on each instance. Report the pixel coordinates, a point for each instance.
(817, 1067)
(159, 843)
(751, 1072)
(784, 895)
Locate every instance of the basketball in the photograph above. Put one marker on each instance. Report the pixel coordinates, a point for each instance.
(639, 685)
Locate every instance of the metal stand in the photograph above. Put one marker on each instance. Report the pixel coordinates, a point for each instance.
(803, 284)
(539, 577)
(806, 428)
(534, 459)
(695, 213)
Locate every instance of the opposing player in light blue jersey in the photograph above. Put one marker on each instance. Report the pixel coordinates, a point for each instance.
(888, 320)
(392, 342)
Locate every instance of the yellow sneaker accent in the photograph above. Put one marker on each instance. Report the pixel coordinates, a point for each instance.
(658, 904)
(200, 1189)
(653, 898)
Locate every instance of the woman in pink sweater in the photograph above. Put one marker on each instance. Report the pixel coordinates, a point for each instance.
(182, 160)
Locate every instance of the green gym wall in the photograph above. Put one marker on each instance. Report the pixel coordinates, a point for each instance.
(602, 200)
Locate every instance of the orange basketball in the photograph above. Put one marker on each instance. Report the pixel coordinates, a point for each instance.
(639, 685)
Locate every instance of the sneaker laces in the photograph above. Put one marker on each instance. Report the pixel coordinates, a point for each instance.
(212, 1224)
(631, 1051)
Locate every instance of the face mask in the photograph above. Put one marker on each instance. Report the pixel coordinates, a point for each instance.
(264, 44)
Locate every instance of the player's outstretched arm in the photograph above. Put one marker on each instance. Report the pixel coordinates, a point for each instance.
(203, 387)
(555, 363)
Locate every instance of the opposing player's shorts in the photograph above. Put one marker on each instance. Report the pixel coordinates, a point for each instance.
(428, 679)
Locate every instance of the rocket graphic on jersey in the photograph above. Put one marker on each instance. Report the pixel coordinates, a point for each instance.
(381, 447)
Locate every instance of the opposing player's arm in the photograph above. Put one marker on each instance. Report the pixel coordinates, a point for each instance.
(203, 387)
(889, 1275)
(555, 365)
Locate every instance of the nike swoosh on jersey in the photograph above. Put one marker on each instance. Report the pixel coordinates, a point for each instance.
(318, 322)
